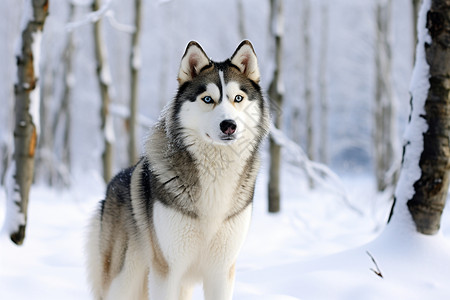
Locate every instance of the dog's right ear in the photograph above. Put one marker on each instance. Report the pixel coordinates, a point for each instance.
(193, 61)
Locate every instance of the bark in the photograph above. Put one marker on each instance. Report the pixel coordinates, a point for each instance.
(276, 98)
(103, 77)
(134, 82)
(384, 131)
(25, 130)
(430, 195)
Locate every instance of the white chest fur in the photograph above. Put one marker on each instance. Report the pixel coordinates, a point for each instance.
(211, 238)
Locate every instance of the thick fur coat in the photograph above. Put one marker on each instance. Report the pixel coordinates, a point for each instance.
(181, 214)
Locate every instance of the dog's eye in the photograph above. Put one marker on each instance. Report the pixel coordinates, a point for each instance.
(208, 100)
(238, 98)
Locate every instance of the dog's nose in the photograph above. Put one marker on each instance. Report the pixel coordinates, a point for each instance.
(228, 126)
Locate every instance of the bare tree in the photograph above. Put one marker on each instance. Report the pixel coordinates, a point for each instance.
(241, 19)
(424, 180)
(104, 80)
(53, 160)
(63, 117)
(26, 128)
(308, 96)
(135, 61)
(276, 97)
(323, 91)
(384, 109)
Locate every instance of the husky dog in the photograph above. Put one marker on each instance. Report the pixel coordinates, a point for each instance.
(180, 215)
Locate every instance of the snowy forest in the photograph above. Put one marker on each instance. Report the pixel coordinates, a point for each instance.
(354, 176)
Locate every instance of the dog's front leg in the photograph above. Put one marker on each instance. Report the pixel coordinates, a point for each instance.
(219, 285)
(163, 286)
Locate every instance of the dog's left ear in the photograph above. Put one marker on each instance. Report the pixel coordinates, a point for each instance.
(245, 59)
(192, 63)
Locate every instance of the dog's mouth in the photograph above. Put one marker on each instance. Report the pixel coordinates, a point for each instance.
(228, 138)
(224, 138)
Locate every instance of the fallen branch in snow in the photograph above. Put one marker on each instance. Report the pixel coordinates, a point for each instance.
(318, 172)
(377, 271)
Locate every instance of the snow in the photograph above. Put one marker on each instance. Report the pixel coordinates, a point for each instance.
(137, 58)
(35, 101)
(109, 130)
(105, 73)
(314, 249)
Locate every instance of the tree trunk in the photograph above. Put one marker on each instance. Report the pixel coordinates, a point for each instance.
(276, 98)
(64, 111)
(135, 61)
(241, 19)
(308, 81)
(323, 148)
(384, 131)
(428, 202)
(308, 96)
(423, 183)
(26, 128)
(104, 79)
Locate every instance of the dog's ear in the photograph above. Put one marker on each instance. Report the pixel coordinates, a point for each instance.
(193, 61)
(245, 59)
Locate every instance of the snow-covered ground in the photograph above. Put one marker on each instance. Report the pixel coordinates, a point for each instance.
(316, 248)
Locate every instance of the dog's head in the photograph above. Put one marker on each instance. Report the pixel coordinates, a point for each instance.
(220, 102)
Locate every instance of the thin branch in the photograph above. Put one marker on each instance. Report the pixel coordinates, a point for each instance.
(91, 17)
(117, 25)
(316, 171)
(377, 271)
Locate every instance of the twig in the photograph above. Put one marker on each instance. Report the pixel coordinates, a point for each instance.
(377, 271)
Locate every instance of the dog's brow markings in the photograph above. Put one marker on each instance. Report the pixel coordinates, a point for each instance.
(222, 82)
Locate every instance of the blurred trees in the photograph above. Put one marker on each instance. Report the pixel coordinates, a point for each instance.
(385, 131)
(276, 91)
(104, 81)
(315, 112)
(135, 65)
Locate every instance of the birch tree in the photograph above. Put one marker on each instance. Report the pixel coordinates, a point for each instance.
(26, 130)
(384, 108)
(423, 185)
(276, 97)
(53, 161)
(308, 96)
(64, 114)
(104, 80)
(241, 19)
(134, 82)
(323, 91)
